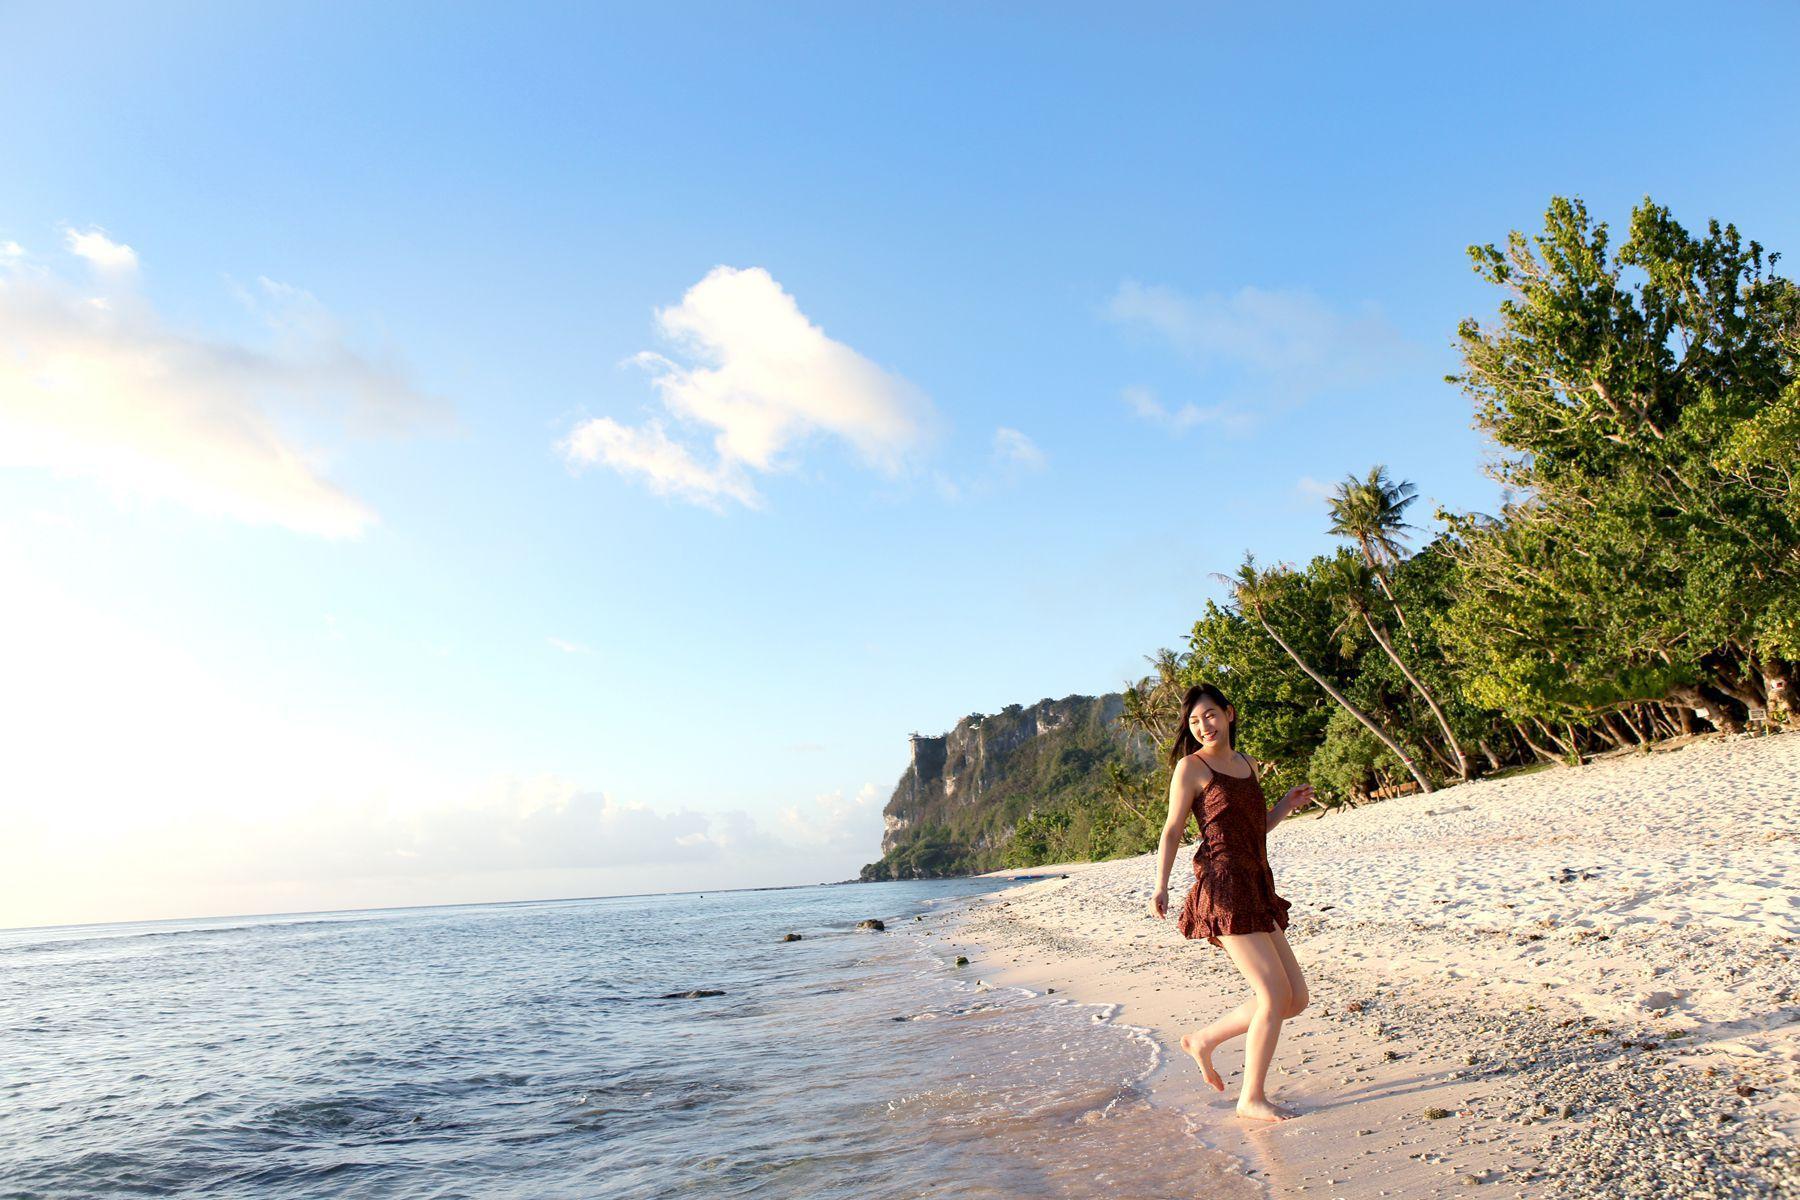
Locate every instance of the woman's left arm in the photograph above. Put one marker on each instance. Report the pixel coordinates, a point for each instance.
(1296, 799)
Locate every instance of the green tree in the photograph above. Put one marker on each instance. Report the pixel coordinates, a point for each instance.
(1259, 592)
(1645, 401)
(1349, 580)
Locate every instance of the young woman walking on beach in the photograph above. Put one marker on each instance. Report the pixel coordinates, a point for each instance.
(1233, 903)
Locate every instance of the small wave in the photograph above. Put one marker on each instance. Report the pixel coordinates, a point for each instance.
(195, 933)
(340, 1116)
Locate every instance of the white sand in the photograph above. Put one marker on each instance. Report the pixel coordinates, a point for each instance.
(1622, 939)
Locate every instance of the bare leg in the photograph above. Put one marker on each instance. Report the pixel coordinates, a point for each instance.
(1202, 1042)
(1255, 955)
(1297, 992)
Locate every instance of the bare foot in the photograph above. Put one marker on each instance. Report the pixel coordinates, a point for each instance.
(1262, 1110)
(1201, 1053)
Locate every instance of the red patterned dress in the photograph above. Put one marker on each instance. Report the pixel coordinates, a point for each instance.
(1234, 890)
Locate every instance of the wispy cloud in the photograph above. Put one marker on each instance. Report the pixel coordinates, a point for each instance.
(569, 647)
(1015, 449)
(95, 382)
(1306, 485)
(755, 373)
(1256, 346)
(1145, 403)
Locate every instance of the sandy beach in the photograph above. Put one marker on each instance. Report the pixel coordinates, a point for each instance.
(1578, 981)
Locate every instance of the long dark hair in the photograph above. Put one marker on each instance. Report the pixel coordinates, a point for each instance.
(1185, 741)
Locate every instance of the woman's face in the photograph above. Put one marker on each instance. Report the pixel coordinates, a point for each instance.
(1209, 724)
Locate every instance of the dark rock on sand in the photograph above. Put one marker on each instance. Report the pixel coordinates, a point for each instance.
(871, 923)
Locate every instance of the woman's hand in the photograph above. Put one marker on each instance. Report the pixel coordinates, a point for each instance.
(1297, 799)
(1159, 903)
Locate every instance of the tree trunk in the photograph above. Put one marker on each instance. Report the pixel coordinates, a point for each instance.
(1344, 702)
(1637, 735)
(1461, 766)
(1778, 686)
(1568, 751)
(1537, 749)
(1440, 758)
(1493, 763)
(1381, 578)
(1719, 707)
(1745, 693)
(1611, 734)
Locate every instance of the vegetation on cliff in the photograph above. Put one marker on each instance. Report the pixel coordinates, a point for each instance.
(1022, 786)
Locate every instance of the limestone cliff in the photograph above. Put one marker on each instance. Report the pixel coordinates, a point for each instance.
(962, 793)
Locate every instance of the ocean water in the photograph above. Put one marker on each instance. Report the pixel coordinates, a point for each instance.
(528, 1050)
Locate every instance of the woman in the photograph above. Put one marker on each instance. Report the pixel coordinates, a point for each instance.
(1233, 902)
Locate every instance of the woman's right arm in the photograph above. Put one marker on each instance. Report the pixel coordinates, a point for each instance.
(1181, 800)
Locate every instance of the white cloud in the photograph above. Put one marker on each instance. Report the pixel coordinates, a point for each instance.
(761, 378)
(1256, 345)
(101, 250)
(666, 467)
(1016, 449)
(569, 647)
(834, 822)
(1145, 403)
(101, 386)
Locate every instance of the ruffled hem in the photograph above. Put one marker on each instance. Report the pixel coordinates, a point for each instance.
(1194, 926)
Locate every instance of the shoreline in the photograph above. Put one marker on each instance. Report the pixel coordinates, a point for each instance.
(1595, 972)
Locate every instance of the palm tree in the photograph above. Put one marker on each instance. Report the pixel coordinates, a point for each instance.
(1251, 589)
(1153, 703)
(1136, 794)
(1349, 581)
(1371, 512)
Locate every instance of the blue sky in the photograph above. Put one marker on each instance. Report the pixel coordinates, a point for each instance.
(340, 569)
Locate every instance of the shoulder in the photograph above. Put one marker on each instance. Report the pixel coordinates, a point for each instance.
(1191, 768)
(1255, 767)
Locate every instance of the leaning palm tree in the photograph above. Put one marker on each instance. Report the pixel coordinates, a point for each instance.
(1371, 512)
(1251, 588)
(1349, 582)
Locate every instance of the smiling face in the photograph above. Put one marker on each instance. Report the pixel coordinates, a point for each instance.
(1210, 724)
